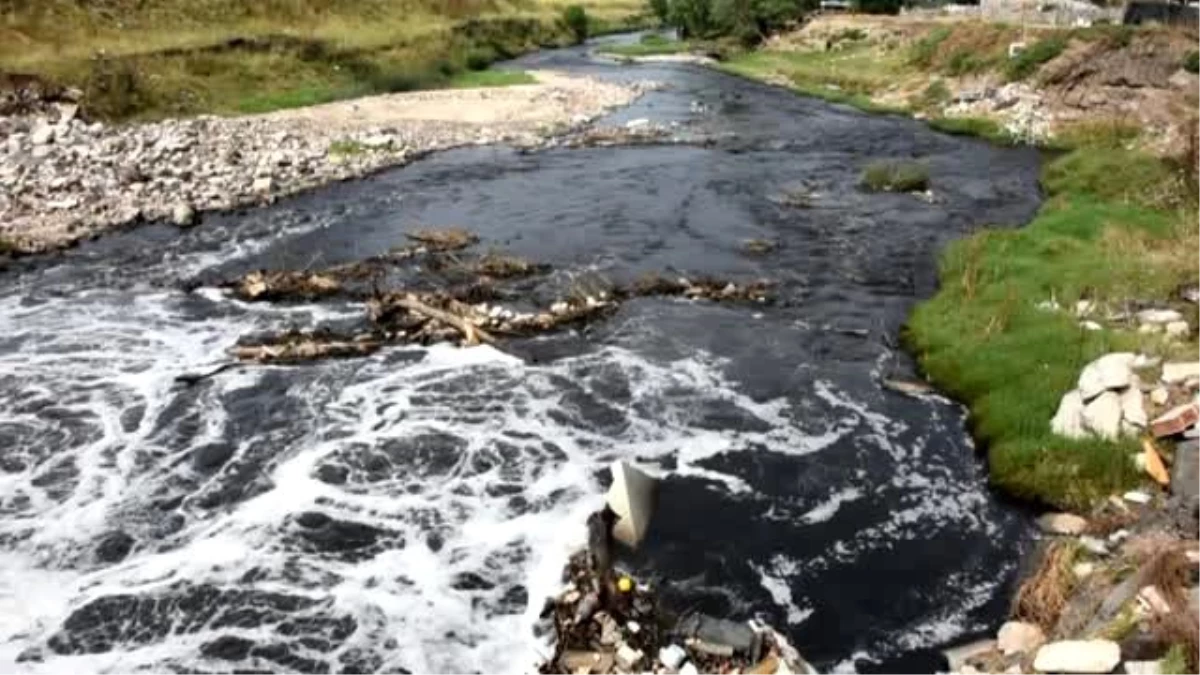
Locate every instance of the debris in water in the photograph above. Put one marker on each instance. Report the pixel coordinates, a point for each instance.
(297, 346)
(285, 285)
(606, 627)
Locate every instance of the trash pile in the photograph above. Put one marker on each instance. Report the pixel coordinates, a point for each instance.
(605, 621)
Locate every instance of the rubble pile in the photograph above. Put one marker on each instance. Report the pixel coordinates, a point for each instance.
(605, 621)
(468, 313)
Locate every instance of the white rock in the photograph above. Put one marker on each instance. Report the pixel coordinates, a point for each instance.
(1160, 396)
(672, 656)
(1078, 656)
(1137, 497)
(1133, 411)
(639, 122)
(1177, 329)
(1084, 307)
(43, 135)
(1149, 328)
(1093, 545)
(1068, 420)
(1018, 637)
(1158, 316)
(1143, 668)
(1062, 523)
(1090, 325)
(688, 669)
(1111, 371)
(1103, 415)
(262, 185)
(183, 215)
(628, 658)
(1179, 371)
(1082, 570)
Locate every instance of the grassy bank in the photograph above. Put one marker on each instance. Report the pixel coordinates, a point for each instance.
(152, 58)
(1117, 226)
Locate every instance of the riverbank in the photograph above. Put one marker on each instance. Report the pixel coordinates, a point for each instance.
(1022, 317)
(66, 179)
(166, 58)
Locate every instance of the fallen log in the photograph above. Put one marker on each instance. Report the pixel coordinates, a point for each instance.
(299, 347)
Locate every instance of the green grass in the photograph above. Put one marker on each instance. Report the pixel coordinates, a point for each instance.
(980, 127)
(1111, 230)
(1175, 661)
(925, 50)
(490, 78)
(849, 76)
(1191, 62)
(895, 176)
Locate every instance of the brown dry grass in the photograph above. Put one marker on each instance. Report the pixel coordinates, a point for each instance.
(1180, 628)
(1041, 598)
(1106, 523)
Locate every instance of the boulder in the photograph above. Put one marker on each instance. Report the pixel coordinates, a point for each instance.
(1102, 416)
(631, 497)
(1078, 656)
(1160, 396)
(1111, 371)
(1068, 420)
(1178, 371)
(1062, 523)
(1019, 637)
(1133, 411)
(1175, 420)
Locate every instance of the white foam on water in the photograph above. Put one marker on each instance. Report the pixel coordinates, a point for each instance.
(828, 508)
(776, 582)
(101, 357)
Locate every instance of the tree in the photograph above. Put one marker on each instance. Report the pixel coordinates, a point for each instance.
(576, 19)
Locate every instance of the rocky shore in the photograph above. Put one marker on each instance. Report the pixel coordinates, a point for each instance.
(64, 179)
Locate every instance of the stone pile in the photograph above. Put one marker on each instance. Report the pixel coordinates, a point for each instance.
(63, 179)
(1118, 395)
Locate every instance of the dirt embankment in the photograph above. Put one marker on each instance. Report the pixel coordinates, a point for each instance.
(63, 179)
(1104, 80)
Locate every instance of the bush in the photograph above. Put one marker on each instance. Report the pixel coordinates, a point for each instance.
(114, 90)
(963, 62)
(1032, 57)
(1191, 62)
(576, 19)
(895, 176)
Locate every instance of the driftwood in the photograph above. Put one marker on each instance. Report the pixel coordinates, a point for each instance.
(264, 285)
(472, 334)
(298, 347)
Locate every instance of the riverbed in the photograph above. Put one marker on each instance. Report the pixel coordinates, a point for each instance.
(410, 510)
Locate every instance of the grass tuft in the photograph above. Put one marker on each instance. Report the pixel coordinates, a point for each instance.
(896, 176)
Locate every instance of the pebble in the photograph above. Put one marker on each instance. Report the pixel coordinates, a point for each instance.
(1137, 497)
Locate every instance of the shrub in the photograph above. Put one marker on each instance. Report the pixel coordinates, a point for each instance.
(576, 19)
(113, 89)
(1032, 57)
(894, 176)
(1191, 62)
(963, 62)
(934, 95)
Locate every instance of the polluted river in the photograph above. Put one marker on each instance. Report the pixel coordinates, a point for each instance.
(409, 510)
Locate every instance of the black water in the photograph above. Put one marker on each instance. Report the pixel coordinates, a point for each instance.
(410, 510)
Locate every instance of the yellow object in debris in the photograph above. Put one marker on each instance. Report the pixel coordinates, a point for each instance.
(624, 584)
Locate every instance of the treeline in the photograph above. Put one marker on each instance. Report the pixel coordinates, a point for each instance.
(748, 21)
